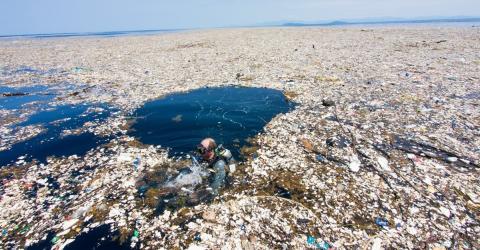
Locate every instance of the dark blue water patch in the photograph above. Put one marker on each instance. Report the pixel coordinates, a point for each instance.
(43, 244)
(230, 115)
(99, 238)
(35, 96)
(51, 142)
(56, 114)
(17, 98)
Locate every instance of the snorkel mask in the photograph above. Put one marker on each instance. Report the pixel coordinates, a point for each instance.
(205, 153)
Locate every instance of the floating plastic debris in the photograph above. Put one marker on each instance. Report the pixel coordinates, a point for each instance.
(423, 124)
(323, 245)
(354, 164)
(381, 222)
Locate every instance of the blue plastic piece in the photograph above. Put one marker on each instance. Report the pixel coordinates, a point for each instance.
(311, 240)
(322, 245)
(320, 158)
(136, 163)
(381, 222)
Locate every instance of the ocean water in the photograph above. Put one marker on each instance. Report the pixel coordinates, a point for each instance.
(51, 142)
(97, 238)
(91, 34)
(54, 120)
(25, 95)
(230, 115)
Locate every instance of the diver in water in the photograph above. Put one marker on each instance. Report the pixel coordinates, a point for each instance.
(217, 158)
(182, 189)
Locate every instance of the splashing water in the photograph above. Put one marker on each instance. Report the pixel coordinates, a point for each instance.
(191, 176)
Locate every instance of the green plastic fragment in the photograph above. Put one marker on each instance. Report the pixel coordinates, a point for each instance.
(54, 240)
(80, 69)
(25, 229)
(136, 233)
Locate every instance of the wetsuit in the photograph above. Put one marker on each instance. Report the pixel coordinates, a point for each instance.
(223, 158)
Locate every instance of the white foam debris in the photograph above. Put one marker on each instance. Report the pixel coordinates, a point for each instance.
(383, 163)
(69, 223)
(354, 164)
(404, 111)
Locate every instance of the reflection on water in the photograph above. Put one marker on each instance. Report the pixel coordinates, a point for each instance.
(230, 115)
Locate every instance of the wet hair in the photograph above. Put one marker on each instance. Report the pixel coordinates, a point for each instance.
(211, 143)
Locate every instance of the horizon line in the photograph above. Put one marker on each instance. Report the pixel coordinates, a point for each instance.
(332, 22)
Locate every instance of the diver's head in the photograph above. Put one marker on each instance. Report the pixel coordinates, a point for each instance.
(206, 149)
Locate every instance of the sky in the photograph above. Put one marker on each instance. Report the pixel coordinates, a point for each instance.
(68, 16)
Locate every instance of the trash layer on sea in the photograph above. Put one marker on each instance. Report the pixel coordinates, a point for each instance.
(381, 150)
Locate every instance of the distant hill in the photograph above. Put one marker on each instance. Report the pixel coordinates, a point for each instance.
(386, 21)
(317, 24)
